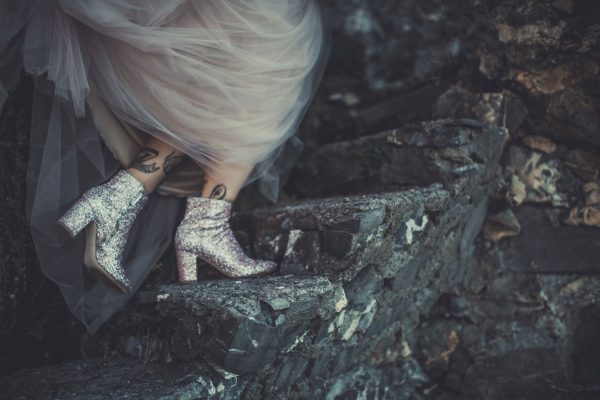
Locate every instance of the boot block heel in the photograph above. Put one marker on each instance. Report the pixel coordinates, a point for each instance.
(77, 217)
(186, 266)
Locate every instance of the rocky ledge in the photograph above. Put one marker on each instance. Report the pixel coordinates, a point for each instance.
(356, 274)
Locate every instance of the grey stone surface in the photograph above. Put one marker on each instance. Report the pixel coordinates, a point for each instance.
(114, 378)
(330, 330)
(418, 154)
(352, 231)
(517, 336)
(544, 247)
(242, 325)
(503, 109)
(322, 329)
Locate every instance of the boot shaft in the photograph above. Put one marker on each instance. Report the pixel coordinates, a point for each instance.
(123, 190)
(122, 194)
(206, 212)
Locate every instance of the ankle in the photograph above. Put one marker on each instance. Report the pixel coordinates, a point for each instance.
(216, 195)
(212, 200)
(149, 181)
(206, 208)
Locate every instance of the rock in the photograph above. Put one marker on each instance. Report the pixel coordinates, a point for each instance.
(503, 109)
(241, 325)
(541, 325)
(592, 193)
(544, 247)
(538, 178)
(302, 253)
(573, 114)
(584, 164)
(533, 36)
(363, 382)
(377, 257)
(371, 245)
(588, 216)
(485, 381)
(340, 235)
(416, 154)
(540, 143)
(501, 225)
(97, 379)
(586, 368)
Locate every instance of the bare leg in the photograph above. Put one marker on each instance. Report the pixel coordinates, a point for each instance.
(225, 182)
(157, 159)
(154, 163)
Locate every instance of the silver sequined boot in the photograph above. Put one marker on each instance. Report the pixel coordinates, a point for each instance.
(108, 211)
(204, 232)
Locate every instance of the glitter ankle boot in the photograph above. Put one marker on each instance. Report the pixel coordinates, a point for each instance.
(108, 211)
(204, 232)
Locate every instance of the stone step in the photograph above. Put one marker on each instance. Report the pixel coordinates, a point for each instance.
(337, 236)
(119, 378)
(354, 271)
(322, 246)
(417, 154)
(241, 325)
(245, 325)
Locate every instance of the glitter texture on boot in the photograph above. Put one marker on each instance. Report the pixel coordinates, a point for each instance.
(204, 232)
(108, 211)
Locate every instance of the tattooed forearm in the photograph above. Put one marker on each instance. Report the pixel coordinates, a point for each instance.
(218, 192)
(171, 161)
(141, 164)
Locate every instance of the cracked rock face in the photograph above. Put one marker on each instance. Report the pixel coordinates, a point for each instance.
(354, 267)
(243, 326)
(126, 378)
(418, 154)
